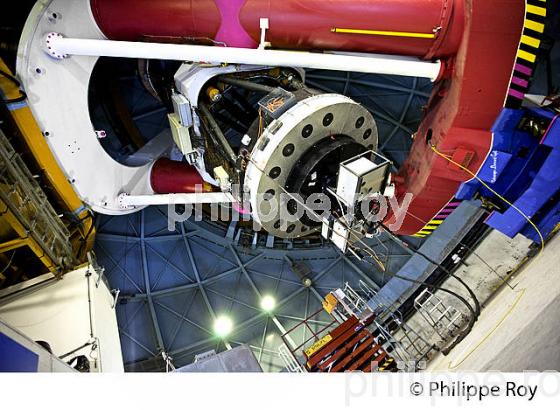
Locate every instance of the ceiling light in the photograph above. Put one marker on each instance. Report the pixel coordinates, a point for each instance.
(223, 326)
(268, 303)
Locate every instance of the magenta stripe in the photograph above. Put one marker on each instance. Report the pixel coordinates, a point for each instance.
(489, 216)
(454, 204)
(445, 212)
(549, 128)
(516, 94)
(520, 82)
(522, 69)
(231, 31)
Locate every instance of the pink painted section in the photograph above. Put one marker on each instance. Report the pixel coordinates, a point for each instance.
(239, 208)
(522, 69)
(520, 82)
(449, 208)
(489, 216)
(516, 94)
(549, 127)
(231, 32)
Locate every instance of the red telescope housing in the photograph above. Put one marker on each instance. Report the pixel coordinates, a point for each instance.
(476, 39)
(423, 28)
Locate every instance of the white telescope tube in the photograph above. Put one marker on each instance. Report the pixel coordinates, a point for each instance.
(60, 47)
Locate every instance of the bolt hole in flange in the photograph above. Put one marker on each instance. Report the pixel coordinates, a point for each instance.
(288, 150)
(292, 206)
(275, 172)
(307, 131)
(328, 119)
(367, 133)
(360, 122)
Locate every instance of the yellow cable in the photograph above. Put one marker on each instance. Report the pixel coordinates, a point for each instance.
(494, 192)
(487, 336)
(522, 291)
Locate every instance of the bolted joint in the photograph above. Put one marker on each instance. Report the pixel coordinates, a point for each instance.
(51, 40)
(122, 201)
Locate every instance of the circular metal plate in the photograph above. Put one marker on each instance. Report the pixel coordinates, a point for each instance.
(58, 91)
(283, 143)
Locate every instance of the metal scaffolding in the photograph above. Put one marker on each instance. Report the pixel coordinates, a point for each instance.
(26, 208)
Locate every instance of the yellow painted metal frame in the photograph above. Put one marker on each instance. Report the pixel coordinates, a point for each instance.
(12, 244)
(24, 239)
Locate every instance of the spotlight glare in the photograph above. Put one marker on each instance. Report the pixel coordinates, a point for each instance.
(223, 326)
(268, 303)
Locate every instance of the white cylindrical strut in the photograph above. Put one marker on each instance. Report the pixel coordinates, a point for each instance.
(60, 47)
(132, 201)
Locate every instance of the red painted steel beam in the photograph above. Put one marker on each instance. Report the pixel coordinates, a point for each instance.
(339, 336)
(462, 109)
(362, 353)
(377, 361)
(364, 334)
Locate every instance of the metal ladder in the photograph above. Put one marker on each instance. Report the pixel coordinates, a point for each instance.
(444, 319)
(26, 201)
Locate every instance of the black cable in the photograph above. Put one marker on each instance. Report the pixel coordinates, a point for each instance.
(472, 316)
(433, 262)
(474, 312)
(83, 241)
(9, 262)
(23, 95)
